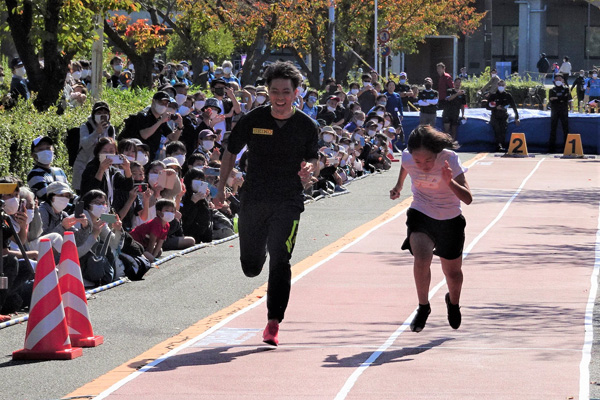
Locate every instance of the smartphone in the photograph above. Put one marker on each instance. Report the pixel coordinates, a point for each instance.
(209, 171)
(104, 117)
(116, 158)
(218, 132)
(108, 218)
(78, 209)
(238, 175)
(23, 206)
(203, 187)
(165, 180)
(213, 190)
(141, 187)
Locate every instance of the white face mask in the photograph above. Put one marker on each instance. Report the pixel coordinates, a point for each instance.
(402, 81)
(227, 70)
(180, 99)
(208, 144)
(183, 111)
(97, 210)
(20, 72)
(366, 84)
(11, 206)
(131, 67)
(328, 138)
(380, 113)
(558, 83)
(379, 127)
(76, 75)
(199, 104)
(360, 122)
(357, 137)
(594, 76)
(141, 157)
(501, 89)
(60, 203)
(260, 99)
(45, 157)
(332, 109)
(198, 186)
(118, 68)
(387, 123)
(346, 147)
(354, 91)
(168, 216)
(371, 133)
(494, 76)
(85, 73)
(152, 179)
(180, 159)
(160, 109)
(30, 215)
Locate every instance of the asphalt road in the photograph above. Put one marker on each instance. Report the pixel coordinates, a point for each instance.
(136, 316)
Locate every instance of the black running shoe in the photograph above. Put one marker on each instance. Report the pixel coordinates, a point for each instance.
(418, 322)
(454, 316)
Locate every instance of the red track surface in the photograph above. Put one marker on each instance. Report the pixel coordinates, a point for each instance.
(526, 288)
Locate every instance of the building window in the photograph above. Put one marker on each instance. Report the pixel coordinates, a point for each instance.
(505, 41)
(551, 48)
(592, 42)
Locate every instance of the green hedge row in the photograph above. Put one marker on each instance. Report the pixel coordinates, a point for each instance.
(23, 123)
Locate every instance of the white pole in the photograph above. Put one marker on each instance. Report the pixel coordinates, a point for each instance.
(97, 66)
(376, 63)
(332, 22)
(387, 68)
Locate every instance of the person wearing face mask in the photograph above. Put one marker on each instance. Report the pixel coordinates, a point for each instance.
(403, 89)
(498, 103)
(227, 102)
(43, 173)
(86, 73)
(19, 86)
(328, 112)
(357, 121)
(310, 107)
(81, 147)
(561, 101)
(197, 217)
(52, 211)
(367, 94)
(228, 75)
(262, 97)
(328, 137)
(94, 235)
(393, 103)
(592, 89)
(152, 234)
(116, 63)
(427, 101)
(150, 125)
(206, 143)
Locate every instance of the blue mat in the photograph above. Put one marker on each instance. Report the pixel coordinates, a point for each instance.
(478, 136)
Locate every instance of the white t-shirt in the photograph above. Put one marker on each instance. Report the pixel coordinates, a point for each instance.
(431, 195)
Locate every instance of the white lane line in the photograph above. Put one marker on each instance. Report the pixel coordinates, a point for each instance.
(191, 342)
(586, 352)
(366, 364)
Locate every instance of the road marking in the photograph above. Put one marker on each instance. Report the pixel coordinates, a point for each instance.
(588, 341)
(351, 381)
(119, 376)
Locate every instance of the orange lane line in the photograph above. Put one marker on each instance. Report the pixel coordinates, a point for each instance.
(105, 381)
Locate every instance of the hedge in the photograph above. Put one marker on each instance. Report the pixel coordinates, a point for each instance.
(23, 123)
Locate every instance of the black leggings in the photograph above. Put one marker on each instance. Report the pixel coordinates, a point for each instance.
(270, 226)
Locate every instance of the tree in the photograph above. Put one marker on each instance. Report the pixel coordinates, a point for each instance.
(53, 31)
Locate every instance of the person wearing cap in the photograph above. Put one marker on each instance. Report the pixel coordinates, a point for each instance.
(329, 111)
(227, 103)
(428, 100)
(52, 211)
(498, 103)
(282, 154)
(150, 125)
(262, 97)
(98, 125)
(328, 137)
(206, 143)
(228, 75)
(19, 86)
(43, 173)
(561, 101)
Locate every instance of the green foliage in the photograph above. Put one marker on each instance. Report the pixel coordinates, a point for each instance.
(516, 85)
(215, 43)
(23, 123)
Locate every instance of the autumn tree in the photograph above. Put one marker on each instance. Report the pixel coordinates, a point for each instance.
(53, 31)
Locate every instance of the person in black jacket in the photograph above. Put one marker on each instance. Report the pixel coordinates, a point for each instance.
(196, 214)
(498, 103)
(560, 102)
(579, 83)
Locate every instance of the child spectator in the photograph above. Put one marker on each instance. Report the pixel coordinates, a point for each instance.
(153, 233)
(176, 150)
(42, 174)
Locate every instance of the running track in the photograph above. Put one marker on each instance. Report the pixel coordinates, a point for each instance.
(532, 257)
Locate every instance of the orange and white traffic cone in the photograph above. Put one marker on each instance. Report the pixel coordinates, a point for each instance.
(390, 153)
(47, 336)
(73, 295)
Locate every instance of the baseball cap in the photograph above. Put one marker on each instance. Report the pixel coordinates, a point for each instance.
(139, 143)
(41, 139)
(204, 133)
(161, 96)
(261, 89)
(15, 62)
(100, 105)
(58, 188)
(333, 97)
(218, 80)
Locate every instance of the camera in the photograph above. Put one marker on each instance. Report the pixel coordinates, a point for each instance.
(141, 187)
(173, 117)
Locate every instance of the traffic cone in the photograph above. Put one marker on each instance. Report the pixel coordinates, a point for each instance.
(47, 336)
(73, 294)
(390, 153)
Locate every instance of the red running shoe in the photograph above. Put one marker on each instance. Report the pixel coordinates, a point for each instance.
(271, 333)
